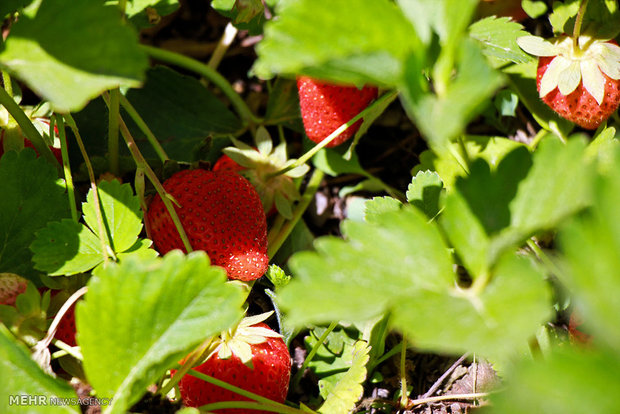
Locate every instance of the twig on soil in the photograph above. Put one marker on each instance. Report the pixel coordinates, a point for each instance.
(445, 375)
(438, 398)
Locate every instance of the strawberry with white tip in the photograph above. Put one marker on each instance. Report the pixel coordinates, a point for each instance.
(580, 80)
(250, 356)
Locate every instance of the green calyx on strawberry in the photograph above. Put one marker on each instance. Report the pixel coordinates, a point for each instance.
(325, 107)
(260, 166)
(222, 215)
(580, 82)
(251, 356)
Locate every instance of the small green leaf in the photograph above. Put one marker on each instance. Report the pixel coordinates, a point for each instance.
(31, 197)
(498, 36)
(380, 205)
(349, 389)
(277, 276)
(139, 317)
(561, 383)
(302, 39)
(56, 57)
(147, 13)
(563, 17)
(121, 213)
(331, 162)
(424, 192)
(66, 248)
(23, 383)
(283, 104)
(534, 8)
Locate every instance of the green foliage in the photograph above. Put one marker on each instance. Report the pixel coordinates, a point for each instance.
(56, 58)
(21, 376)
(498, 36)
(155, 311)
(31, 197)
(425, 191)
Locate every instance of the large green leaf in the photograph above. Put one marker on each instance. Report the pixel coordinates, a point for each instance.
(141, 316)
(71, 51)
(592, 248)
(353, 41)
(180, 111)
(30, 197)
(24, 387)
(569, 381)
(498, 39)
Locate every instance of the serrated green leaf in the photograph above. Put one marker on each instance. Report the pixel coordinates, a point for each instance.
(349, 389)
(360, 279)
(380, 205)
(30, 197)
(563, 17)
(121, 213)
(180, 111)
(283, 104)
(322, 38)
(498, 38)
(490, 322)
(561, 383)
(141, 250)
(424, 192)
(56, 57)
(155, 311)
(66, 248)
(591, 245)
(24, 387)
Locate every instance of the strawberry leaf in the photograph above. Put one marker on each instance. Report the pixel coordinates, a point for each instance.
(23, 382)
(30, 197)
(56, 57)
(121, 212)
(561, 382)
(301, 40)
(161, 309)
(348, 390)
(424, 192)
(591, 245)
(380, 205)
(181, 112)
(147, 13)
(498, 39)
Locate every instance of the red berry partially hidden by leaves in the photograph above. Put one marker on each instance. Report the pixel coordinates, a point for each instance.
(325, 107)
(11, 286)
(42, 124)
(253, 357)
(226, 164)
(581, 84)
(221, 213)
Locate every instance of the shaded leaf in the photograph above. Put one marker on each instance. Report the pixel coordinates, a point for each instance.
(424, 192)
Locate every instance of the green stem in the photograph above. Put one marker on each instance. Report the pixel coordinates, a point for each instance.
(6, 80)
(312, 152)
(578, 23)
(537, 138)
(208, 73)
(27, 128)
(247, 394)
(312, 353)
(447, 397)
(230, 32)
(544, 258)
(251, 406)
(386, 356)
(66, 166)
(105, 249)
(278, 239)
(113, 115)
(187, 366)
(135, 116)
(404, 394)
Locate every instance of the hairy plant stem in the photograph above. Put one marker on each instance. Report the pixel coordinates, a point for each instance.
(65, 163)
(312, 353)
(28, 129)
(258, 398)
(578, 22)
(150, 174)
(404, 394)
(113, 115)
(6, 80)
(139, 121)
(230, 32)
(312, 151)
(208, 73)
(105, 249)
(448, 397)
(277, 236)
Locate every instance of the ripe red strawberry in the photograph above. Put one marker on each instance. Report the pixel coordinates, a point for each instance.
(222, 214)
(226, 164)
(264, 369)
(43, 125)
(66, 328)
(325, 107)
(581, 84)
(11, 286)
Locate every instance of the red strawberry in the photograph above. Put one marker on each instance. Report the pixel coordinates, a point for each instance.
(222, 214)
(264, 370)
(41, 123)
(575, 334)
(11, 286)
(66, 328)
(581, 84)
(226, 164)
(325, 107)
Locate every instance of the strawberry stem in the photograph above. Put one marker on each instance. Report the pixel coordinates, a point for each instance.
(312, 353)
(578, 23)
(65, 163)
(230, 32)
(137, 119)
(208, 73)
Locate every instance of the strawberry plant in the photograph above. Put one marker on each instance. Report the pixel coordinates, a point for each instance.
(309, 206)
